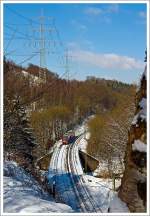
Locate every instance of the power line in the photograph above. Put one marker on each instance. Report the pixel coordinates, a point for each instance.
(17, 24)
(42, 40)
(9, 42)
(67, 66)
(58, 35)
(19, 32)
(7, 54)
(11, 28)
(47, 87)
(42, 43)
(25, 60)
(29, 37)
(61, 58)
(22, 24)
(20, 15)
(16, 38)
(23, 54)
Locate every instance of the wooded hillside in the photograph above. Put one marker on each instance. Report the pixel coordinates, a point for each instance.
(57, 105)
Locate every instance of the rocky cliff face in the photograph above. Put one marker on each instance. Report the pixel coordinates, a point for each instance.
(133, 187)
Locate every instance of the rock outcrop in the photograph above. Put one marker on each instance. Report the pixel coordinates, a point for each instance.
(133, 186)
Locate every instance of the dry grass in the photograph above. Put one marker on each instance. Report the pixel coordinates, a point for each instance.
(103, 174)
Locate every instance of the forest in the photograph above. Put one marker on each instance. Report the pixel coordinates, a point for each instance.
(48, 109)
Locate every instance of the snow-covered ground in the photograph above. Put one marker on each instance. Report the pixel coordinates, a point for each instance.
(101, 189)
(22, 194)
(104, 198)
(117, 205)
(83, 129)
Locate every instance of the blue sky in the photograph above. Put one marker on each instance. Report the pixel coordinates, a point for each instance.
(103, 40)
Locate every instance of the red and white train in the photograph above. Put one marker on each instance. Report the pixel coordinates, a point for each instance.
(68, 137)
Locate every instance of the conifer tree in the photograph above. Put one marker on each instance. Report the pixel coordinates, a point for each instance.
(20, 143)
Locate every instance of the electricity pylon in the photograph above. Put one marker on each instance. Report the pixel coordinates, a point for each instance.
(67, 66)
(44, 44)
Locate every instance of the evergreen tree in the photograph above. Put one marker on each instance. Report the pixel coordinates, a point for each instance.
(19, 141)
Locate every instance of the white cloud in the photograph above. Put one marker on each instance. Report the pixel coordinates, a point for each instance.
(141, 17)
(74, 45)
(82, 27)
(93, 11)
(107, 19)
(113, 8)
(88, 44)
(104, 12)
(79, 25)
(142, 14)
(108, 61)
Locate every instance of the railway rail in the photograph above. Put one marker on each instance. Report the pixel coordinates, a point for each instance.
(97, 204)
(73, 183)
(90, 205)
(61, 170)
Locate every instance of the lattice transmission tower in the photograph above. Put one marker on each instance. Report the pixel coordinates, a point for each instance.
(43, 42)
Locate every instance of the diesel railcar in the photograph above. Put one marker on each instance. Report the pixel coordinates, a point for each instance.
(68, 137)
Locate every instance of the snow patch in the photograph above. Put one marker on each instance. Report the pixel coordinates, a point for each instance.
(138, 145)
(117, 205)
(22, 194)
(83, 145)
(33, 78)
(135, 119)
(83, 129)
(142, 105)
(142, 114)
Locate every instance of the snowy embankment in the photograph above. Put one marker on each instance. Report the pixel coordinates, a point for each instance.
(100, 190)
(83, 129)
(23, 194)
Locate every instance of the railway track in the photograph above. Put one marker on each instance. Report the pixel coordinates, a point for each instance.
(62, 175)
(68, 172)
(54, 159)
(58, 170)
(97, 204)
(88, 202)
(69, 196)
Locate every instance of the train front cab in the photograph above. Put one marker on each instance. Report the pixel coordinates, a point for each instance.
(68, 138)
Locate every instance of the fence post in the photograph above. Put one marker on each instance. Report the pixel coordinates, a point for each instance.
(114, 186)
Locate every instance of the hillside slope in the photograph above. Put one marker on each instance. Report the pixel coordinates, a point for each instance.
(23, 194)
(133, 188)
